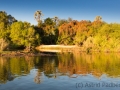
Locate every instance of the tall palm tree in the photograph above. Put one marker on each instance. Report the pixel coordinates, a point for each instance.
(38, 15)
(55, 19)
(98, 18)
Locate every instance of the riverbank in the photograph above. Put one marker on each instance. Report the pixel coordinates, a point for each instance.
(23, 53)
(50, 50)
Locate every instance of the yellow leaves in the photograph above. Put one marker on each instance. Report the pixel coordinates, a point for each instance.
(3, 17)
(22, 33)
(30, 31)
(97, 24)
(2, 26)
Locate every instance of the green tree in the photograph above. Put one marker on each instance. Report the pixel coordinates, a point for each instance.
(50, 31)
(4, 30)
(22, 34)
(11, 19)
(3, 17)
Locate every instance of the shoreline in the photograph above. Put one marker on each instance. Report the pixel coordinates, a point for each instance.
(51, 50)
(32, 54)
(22, 54)
(71, 48)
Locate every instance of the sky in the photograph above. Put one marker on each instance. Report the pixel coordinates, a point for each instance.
(23, 10)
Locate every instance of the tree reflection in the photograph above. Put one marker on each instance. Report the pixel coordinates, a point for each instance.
(12, 67)
(83, 64)
(3, 70)
(66, 64)
(37, 77)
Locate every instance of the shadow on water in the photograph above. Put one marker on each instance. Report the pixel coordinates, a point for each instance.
(71, 65)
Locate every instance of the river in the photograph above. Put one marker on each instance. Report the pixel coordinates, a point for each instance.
(65, 71)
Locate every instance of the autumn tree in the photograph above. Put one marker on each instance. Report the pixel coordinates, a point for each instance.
(50, 31)
(67, 32)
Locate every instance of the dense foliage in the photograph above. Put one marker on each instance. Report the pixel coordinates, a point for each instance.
(97, 35)
(16, 34)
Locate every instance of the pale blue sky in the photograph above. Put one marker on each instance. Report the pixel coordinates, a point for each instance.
(77, 9)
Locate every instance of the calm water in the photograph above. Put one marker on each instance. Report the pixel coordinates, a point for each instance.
(78, 71)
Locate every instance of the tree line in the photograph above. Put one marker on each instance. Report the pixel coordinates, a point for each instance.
(94, 35)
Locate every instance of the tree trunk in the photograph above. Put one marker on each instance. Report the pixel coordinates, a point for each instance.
(29, 47)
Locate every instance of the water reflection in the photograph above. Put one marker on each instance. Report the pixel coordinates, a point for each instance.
(66, 64)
